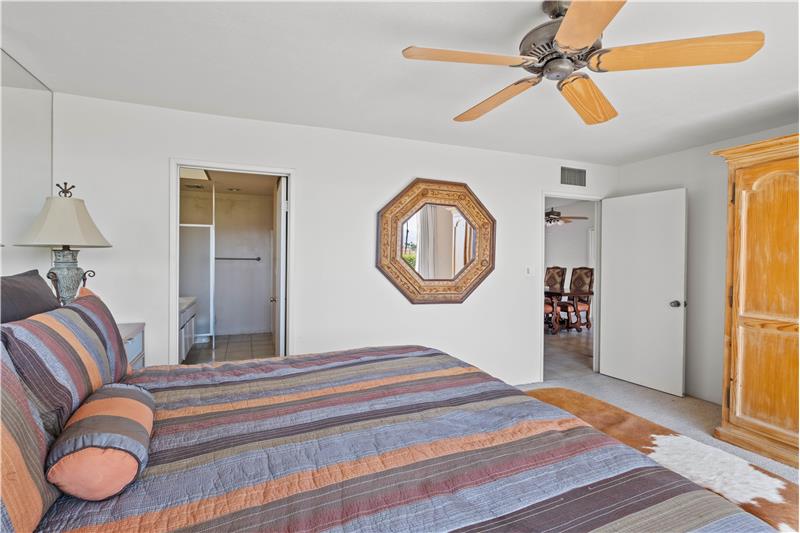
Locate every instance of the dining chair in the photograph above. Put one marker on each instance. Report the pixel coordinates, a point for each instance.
(554, 281)
(581, 280)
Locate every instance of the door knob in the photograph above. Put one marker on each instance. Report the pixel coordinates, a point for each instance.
(674, 303)
(272, 299)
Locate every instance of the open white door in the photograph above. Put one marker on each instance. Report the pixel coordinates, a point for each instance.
(279, 268)
(643, 287)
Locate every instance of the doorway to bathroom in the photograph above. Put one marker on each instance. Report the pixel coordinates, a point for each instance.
(231, 264)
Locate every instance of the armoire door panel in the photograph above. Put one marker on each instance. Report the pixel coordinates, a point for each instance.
(768, 240)
(766, 354)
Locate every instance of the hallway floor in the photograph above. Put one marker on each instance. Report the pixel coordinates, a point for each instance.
(233, 348)
(568, 354)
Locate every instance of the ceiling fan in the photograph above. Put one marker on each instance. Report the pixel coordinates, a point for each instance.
(559, 48)
(554, 218)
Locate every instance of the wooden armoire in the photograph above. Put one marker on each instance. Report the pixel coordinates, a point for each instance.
(760, 390)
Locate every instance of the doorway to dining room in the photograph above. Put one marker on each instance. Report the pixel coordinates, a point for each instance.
(571, 256)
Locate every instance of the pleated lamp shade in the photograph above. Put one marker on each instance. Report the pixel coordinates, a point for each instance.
(64, 222)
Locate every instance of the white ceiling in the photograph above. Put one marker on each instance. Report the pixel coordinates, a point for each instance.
(13, 75)
(231, 183)
(555, 203)
(262, 184)
(189, 173)
(338, 65)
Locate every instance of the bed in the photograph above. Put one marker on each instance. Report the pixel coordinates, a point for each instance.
(382, 439)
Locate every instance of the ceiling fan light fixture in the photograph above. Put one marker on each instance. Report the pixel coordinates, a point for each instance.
(558, 69)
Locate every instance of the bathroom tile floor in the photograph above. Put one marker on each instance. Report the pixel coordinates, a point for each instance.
(233, 348)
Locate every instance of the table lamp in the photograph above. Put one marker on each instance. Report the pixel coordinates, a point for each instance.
(65, 222)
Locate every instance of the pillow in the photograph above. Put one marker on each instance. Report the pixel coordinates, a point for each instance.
(61, 359)
(105, 443)
(26, 495)
(25, 295)
(97, 315)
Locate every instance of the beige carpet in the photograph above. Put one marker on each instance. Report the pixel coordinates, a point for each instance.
(757, 491)
(689, 416)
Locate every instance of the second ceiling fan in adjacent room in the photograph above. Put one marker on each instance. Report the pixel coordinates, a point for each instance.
(555, 218)
(558, 49)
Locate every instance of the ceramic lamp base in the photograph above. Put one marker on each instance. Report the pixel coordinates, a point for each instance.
(65, 275)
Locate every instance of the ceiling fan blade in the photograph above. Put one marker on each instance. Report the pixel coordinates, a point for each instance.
(587, 99)
(584, 23)
(498, 98)
(729, 48)
(460, 56)
(574, 218)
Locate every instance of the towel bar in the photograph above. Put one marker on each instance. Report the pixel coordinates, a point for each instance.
(238, 258)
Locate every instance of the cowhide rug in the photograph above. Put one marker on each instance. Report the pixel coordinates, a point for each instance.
(761, 493)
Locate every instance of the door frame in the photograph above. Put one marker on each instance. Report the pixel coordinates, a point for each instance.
(174, 242)
(539, 355)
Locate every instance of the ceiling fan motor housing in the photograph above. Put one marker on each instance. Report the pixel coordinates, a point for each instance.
(548, 60)
(552, 215)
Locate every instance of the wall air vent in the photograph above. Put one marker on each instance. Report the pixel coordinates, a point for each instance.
(573, 176)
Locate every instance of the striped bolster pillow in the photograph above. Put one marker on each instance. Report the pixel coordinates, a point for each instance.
(104, 445)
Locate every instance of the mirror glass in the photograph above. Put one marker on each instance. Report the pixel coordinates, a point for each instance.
(437, 242)
(27, 109)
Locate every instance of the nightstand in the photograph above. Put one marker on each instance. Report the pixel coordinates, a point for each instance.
(133, 338)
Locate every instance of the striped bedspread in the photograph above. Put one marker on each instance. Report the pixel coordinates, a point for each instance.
(382, 439)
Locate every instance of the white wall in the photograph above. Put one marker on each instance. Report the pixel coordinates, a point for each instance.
(243, 288)
(705, 178)
(25, 174)
(568, 245)
(118, 154)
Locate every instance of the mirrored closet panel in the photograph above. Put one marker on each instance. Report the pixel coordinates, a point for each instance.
(27, 162)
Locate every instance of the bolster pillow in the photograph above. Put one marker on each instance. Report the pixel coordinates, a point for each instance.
(104, 445)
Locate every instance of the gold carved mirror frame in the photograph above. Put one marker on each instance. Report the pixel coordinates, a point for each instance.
(401, 208)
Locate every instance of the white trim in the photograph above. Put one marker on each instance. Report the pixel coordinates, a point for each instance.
(289, 252)
(212, 268)
(282, 271)
(174, 225)
(539, 353)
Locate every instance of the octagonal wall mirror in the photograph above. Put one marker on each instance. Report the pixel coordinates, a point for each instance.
(436, 241)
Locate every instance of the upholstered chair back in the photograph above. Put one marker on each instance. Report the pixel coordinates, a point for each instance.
(554, 278)
(582, 280)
